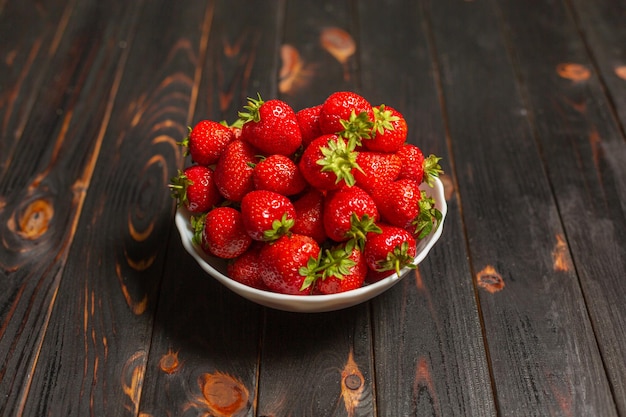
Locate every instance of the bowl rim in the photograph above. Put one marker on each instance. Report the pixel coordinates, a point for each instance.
(308, 302)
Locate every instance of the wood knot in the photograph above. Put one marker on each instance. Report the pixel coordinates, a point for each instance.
(222, 394)
(490, 279)
(34, 219)
(353, 381)
(169, 362)
(574, 72)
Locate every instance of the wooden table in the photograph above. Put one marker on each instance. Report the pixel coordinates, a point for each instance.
(518, 311)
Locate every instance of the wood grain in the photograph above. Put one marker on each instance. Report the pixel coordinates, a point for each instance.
(518, 310)
(101, 319)
(323, 366)
(46, 182)
(26, 53)
(213, 333)
(430, 351)
(585, 156)
(540, 340)
(600, 24)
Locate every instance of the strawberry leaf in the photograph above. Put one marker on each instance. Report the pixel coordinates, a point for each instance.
(397, 259)
(383, 119)
(178, 187)
(252, 111)
(279, 228)
(432, 169)
(339, 157)
(428, 218)
(310, 271)
(357, 127)
(359, 228)
(197, 224)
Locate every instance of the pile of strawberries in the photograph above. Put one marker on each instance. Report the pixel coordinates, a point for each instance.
(319, 201)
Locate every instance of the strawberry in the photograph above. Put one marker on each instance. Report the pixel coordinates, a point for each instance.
(267, 215)
(377, 169)
(401, 203)
(416, 167)
(344, 269)
(389, 131)
(349, 213)
(344, 105)
(246, 268)
(233, 172)
(328, 162)
(195, 188)
(308, 120)
(289, 262)
(391, 250)
(309, 220)
(206, 141)
(278, 173)
(271, 127)
(220, 232)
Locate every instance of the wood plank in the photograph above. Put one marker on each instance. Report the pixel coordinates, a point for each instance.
(318, 52)
(46, 179)
(212, 334)
(427, 328)
(100, 324)
(29, 41)
(585, 156)
(317, 364)
(541, 344)
(601, 24)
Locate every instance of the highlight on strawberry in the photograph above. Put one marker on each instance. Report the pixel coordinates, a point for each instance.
(322, 200)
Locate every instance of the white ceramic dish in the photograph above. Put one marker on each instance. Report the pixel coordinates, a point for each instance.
(312, 303)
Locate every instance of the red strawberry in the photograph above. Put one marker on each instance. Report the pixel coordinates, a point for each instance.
(391, 250)
(288, 265)
(280, 174)
(309, 215)
(344, 269)
(308, 120)
(220, 232)
(328, 162)
(271, 126)
(416, 167)
(377, 169)
(349, 213)
(246, 268)
(207, 140)
(195, 189)
(267, 215)
(343, 105)
(401, 203)
(233, 172)
(389, 132)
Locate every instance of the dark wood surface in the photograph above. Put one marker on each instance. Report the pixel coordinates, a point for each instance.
(518, 311)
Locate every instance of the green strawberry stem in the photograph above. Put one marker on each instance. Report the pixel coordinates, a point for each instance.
(330, 263)
(432, 169)
(310, 271)
(397, 259)
(197, 225)
(279, 228)
(429, 217)
(359, 228)
(383, 119)
(252, 113)
(185, 142)
(178, 187)
(357, 127)
(339, 157)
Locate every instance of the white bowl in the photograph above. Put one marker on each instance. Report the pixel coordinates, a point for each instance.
(308, 303)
